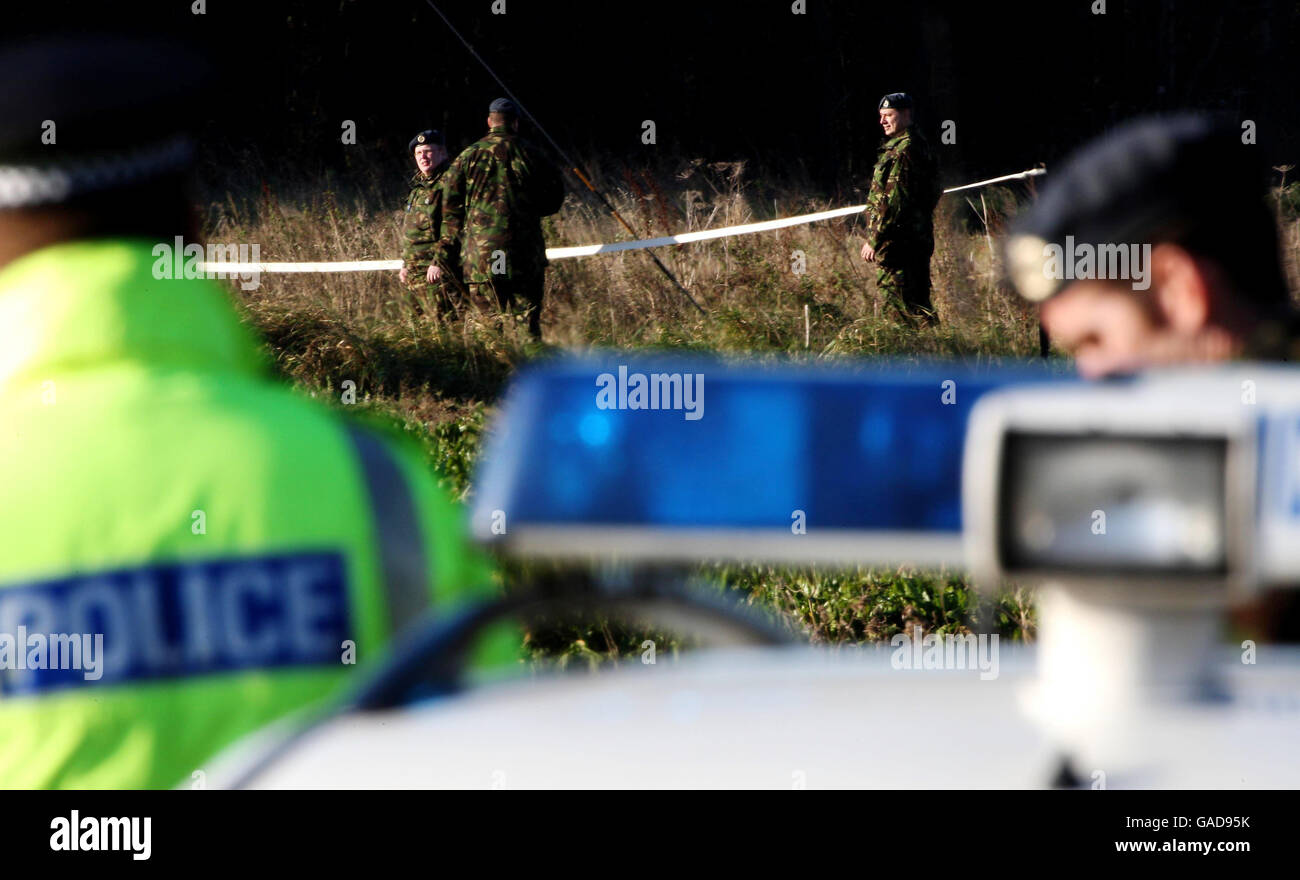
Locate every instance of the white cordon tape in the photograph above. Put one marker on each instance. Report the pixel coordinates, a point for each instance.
(1019, 175)
(587, 250)
(350, 266)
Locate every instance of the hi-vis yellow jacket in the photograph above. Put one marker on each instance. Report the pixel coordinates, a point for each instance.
(224, 538)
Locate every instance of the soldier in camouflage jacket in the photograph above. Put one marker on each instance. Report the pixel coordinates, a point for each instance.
(494, 196)
(900, 211)
(422, 225)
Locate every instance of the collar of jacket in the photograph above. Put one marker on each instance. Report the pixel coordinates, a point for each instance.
(896, 140)
(419, 178)
(87, 305)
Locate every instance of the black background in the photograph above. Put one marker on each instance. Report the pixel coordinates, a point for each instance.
(794, 95)
(331, 832)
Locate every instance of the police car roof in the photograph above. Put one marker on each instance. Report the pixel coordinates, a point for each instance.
(662, 458)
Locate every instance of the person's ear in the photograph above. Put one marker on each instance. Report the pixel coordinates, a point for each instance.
(1182, 291)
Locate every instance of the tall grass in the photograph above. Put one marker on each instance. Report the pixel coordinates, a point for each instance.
(441, 379)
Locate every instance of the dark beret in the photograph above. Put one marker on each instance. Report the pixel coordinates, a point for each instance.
(95, 114)
(503, 105)
(428, 136)
(1187, 179)
(896, 101)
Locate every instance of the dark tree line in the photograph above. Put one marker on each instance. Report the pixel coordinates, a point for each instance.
(796, 94)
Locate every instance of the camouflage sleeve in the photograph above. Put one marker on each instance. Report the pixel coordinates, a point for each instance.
(446, 252)
(890, 189)
(420, 230)
(876, 198)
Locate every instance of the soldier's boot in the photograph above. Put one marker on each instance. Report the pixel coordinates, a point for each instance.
(491, 300)
(889, 284)
(528, 298)
(916, 291)
(916, 300)
(907, 290)
(520, 302)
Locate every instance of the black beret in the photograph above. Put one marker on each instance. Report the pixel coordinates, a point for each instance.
(428, 136)
(1187, 179)
(503, 105)
(896, 101)
(94, 114)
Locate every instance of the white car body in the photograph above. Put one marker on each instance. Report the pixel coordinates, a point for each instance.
(793, 718)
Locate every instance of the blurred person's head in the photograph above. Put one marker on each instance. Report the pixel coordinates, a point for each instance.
(158, 209)
(1153, 245)
(81, 162)
(502, 113)
(895, 113)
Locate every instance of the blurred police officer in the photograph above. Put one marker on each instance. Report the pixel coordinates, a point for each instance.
(235, 545)
(1193, 271)
(1156, 244)
(423, 223)
(495, 195)
(900, 211)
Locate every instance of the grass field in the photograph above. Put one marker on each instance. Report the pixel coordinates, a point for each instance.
(441, 380)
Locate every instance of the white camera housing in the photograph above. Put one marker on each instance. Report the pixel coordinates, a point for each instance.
(1143, 491)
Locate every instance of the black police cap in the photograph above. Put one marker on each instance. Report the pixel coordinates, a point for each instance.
(504, 106)
(94, 114)
(428, 136)
(1187, 179)
(896, 101)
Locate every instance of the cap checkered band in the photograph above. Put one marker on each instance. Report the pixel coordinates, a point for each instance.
(25, 186)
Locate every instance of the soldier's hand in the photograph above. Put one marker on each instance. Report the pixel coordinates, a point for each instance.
(434, 273)
(868, 253)
(401, 275)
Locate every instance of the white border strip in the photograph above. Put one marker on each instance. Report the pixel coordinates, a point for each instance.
(587, 250)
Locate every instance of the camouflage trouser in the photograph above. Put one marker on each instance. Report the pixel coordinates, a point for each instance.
(904, 283)
(520, 297)
(441, 300)
(432, 299)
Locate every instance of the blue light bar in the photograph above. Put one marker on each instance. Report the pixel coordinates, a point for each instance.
(660, 458)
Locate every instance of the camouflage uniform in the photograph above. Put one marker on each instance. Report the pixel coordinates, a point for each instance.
(494, 196)
(900, 221)
(421, 229)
